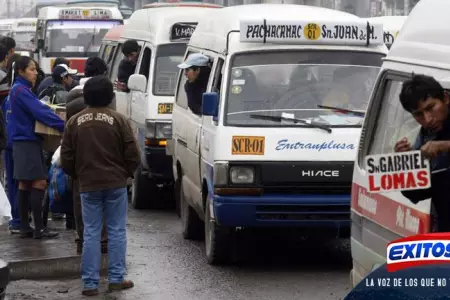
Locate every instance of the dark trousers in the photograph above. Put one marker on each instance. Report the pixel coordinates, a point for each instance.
(77, 211)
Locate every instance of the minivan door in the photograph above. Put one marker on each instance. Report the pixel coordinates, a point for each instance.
(138, 105)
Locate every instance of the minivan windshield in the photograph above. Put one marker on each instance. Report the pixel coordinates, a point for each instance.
(168, 57)
(296, 83)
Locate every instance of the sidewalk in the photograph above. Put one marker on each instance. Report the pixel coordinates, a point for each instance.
(46, 258)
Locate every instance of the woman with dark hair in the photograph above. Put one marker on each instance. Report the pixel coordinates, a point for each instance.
(29, 165)
(40, 77)
(10, 68)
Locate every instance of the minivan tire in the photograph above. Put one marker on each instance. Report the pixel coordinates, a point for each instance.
(144, 191)
(191, 225)
(218, 240)
(176, 196)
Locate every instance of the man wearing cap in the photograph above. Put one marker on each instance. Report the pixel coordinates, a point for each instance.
(49, 80)
(57, 92)
(196, 69)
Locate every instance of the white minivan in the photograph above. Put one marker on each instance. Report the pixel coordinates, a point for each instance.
(391, 27)
(379, 218)
(162, 34)
(275, 143)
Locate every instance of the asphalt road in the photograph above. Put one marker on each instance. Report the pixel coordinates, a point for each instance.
(164, 266)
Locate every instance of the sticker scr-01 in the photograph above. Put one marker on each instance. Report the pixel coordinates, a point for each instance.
(398, 172)
(248, 145)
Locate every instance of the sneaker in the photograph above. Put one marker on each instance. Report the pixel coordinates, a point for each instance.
(126, 284)
(14, 228)
(57, 217)
(89, 292)
(45, 233)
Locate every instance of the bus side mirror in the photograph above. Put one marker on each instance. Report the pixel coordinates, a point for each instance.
(210, 104)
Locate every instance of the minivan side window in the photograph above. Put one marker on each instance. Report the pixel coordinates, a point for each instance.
(181, 96)
(218, 75)
(393, 122)
(182, 99)
(116, 62)
(109, 59)
(144, 68)
(101, 51)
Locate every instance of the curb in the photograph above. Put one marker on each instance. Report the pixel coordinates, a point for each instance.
(50, 268)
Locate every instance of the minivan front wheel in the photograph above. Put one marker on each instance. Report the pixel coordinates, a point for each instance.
(143, 191)
(218, 239)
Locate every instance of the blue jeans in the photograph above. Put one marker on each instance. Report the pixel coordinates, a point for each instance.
(114, 204)
(13, 186)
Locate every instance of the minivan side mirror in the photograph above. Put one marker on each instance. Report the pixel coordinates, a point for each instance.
(137, 82)
(210, 104)
(40, 44)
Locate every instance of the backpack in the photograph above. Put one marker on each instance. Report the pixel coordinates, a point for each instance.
(59, 190)
(50, 92)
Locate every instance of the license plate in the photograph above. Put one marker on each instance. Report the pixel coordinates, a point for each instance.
(165, 108)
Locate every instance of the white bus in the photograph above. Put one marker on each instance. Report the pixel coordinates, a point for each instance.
(73, 32)
(24, 33)
(6, 27)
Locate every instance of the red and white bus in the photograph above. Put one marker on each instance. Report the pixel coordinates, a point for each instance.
(73, 32)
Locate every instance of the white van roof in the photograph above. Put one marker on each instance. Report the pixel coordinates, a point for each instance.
(391, 26)
(211, 33)
(155, 24)
(423, 39)
(390, 23)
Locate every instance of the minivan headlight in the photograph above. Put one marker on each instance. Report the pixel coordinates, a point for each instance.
(156, 130)
(240, 175)
(163, 131)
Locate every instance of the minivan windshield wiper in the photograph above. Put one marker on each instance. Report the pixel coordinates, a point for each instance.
(294, 120)
(91, 42)
(344, 111)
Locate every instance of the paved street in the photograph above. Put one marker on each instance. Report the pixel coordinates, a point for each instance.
(164, 266)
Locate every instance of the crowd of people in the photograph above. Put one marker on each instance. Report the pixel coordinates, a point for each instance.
(98, 153)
